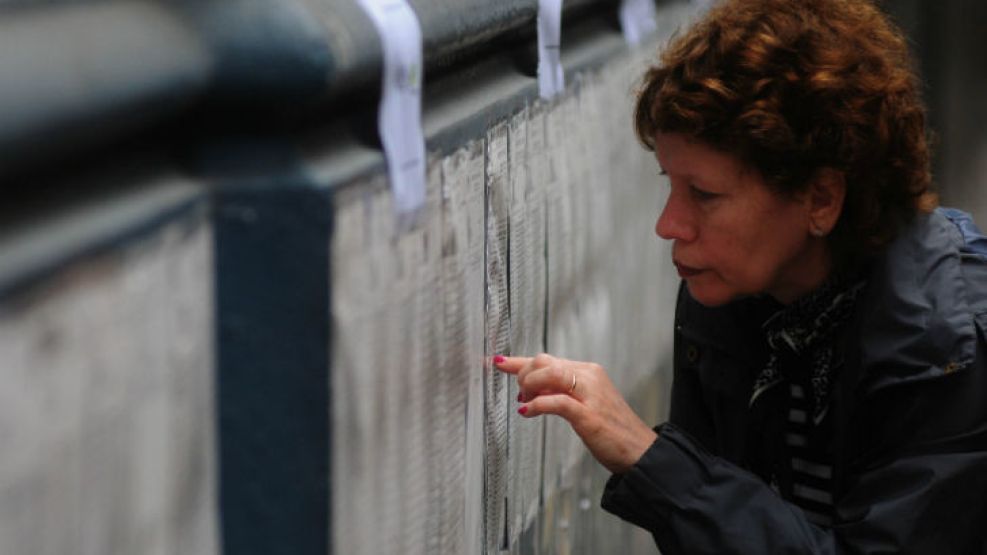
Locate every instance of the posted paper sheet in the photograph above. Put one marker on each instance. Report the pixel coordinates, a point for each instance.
(551, 79)
(399, 120)
(638, 19)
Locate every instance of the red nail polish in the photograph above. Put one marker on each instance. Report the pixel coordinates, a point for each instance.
(522, 410)
(520, 397)
(498, 359)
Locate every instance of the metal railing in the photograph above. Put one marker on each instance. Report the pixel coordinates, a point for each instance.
(82, 74)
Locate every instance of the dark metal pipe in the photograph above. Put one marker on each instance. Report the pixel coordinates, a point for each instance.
(79, 75)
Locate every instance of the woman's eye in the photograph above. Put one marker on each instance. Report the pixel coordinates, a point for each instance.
(702, 195)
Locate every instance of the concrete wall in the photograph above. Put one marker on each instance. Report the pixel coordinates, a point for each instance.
(248, 355)
(106, 360)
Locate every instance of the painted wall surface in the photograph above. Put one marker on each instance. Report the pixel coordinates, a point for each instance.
(537, 236)
(106, 407)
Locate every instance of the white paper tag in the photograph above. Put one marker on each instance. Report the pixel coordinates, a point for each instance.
(399, 120)
(551, 79)
(638, 18)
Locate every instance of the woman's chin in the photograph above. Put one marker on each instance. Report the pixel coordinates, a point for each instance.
(709, 294)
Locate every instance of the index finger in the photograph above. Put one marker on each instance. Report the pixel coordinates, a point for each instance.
(511, 365)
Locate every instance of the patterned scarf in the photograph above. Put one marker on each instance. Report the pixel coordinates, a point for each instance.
(806, 329)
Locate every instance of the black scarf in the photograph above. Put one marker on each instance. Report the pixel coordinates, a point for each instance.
(806, 329)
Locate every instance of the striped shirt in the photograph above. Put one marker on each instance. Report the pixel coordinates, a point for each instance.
(806, 461)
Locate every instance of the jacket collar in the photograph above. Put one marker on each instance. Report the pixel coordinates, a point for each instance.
(915, 320)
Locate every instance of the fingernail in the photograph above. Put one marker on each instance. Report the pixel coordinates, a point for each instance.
(498, 359)
(522, 410)
(520, 397)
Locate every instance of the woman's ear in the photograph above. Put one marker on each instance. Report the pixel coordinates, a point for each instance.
(825, 200)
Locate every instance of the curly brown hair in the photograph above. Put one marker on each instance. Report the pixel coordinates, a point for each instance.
(793, 86)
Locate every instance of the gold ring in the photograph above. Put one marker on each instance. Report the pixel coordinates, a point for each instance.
(573, 386)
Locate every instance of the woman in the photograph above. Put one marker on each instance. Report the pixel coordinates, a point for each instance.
(830, 390)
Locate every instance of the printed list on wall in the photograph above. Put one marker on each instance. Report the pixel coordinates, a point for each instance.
(534, 237)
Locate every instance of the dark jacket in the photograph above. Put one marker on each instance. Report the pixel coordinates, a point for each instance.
(908, 410)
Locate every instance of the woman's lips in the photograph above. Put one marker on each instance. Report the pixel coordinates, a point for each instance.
(686, 271)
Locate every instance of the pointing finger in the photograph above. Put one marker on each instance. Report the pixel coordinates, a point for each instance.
(511, 365)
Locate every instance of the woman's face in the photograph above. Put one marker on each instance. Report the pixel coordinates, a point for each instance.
(733, 236)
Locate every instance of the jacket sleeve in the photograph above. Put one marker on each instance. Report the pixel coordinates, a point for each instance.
(917, 487)
(694, 502)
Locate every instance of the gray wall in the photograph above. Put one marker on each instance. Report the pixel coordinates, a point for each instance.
(106, 360)
(229, 347)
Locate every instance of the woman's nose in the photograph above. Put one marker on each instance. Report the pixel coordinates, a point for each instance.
(675, 223)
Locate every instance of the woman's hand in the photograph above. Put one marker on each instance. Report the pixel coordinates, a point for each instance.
(582, 393)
